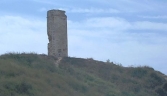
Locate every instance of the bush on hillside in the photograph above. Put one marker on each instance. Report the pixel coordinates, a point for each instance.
(165, 87)
(139, 72)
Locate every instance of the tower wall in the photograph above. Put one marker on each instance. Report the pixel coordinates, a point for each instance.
(57, 33)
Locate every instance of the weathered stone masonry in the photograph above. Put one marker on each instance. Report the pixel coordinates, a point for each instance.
(57, 33)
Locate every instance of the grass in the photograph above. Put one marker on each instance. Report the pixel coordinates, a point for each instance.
(30, 74)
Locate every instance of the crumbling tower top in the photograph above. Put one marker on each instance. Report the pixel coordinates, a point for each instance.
(56, 13)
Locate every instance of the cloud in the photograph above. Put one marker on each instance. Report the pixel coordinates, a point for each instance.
(44, 1)
(154, 17)
(102, 23)
(21, 34)
(43, 9)
(101, 38)
(93, 10)
(135, 6)
(114, 38)
(147, 25)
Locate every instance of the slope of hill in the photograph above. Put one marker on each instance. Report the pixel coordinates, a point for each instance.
(37, 75)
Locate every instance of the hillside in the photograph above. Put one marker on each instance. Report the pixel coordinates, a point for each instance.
(29, 74)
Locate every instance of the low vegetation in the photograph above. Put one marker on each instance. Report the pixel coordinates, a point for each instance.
(30, 74)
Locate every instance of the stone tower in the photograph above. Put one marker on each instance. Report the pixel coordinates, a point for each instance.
(57, 33)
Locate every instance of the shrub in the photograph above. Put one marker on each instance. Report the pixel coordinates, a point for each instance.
(161, 92)
(23, 88)
(78, 87)
(165, 87)
(156, 78)
(18, 88)
(139, 72)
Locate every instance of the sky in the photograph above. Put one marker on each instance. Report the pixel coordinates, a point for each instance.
(127, 32)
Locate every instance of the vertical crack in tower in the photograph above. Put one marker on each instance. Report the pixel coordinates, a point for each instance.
(57, 33)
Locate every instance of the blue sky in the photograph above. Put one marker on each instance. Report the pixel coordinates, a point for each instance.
(130, 32)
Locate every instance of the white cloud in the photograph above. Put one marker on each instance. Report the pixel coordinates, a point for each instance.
(102, 23)
(136, 6)
(147, 25)
(22, 35)
(113, 38)
(101, 38)
(44, 1)
(43, 9)
(93, 10)
(154, 17)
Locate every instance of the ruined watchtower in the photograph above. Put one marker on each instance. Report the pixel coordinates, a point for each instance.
(57, 33)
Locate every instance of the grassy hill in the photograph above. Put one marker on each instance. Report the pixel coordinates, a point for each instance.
(29, 74)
